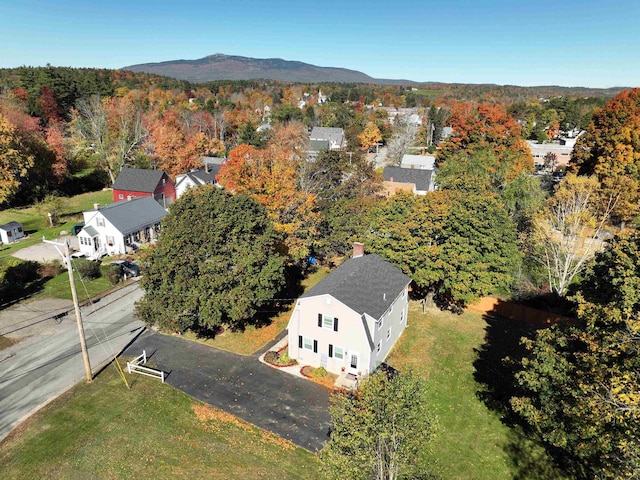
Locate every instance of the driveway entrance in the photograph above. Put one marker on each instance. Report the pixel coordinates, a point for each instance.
(291, 407)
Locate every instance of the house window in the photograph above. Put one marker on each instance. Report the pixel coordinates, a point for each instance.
(402, 315)
(164, 182)
(19, 229)
(9, 234)
(381, 322)
(110, 241)
(338, 352)
(100, 222)
(328, 322)
(379, 347)
(389, 333)
(121, 196)
(308, 343)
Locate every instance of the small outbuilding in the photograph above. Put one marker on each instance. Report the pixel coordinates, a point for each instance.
(11, 232)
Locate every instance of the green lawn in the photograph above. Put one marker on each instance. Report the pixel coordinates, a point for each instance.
(104, 431)
(472, 443)
(58, 286)
(36, 224)
(252, 338)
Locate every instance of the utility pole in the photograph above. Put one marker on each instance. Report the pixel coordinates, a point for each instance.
(83, 343)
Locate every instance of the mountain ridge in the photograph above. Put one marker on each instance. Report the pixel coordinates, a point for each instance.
(219, 66)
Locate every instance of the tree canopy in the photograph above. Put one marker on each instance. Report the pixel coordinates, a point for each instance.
(381, 431)
(215, 264)
(582, 382)
(610, 149)
(457, 245)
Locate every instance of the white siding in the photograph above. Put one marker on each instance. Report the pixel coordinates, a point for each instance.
(351, 334)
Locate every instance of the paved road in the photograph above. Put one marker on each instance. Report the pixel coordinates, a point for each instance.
(32, 373)
(291, 407)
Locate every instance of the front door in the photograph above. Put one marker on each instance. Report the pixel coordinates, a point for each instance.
(354, 362)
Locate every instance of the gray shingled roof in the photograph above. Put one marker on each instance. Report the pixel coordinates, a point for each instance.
(421, 178)
(204, 177)
(138, 180)
(367, 284)
(331, 134)
(10, 226)
(130, 216)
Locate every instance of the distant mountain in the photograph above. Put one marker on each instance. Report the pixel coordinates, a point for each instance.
(231, 67)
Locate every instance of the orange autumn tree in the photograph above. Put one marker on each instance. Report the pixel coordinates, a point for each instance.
(177, 149)
(610, 149)
(271, 176)
(485, 127)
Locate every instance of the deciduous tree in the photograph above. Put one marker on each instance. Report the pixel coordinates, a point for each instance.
(610, 149)
(215, 263)
(567, 232)
(382, 431)
(15, 162)
(485, 126)
(581, 382)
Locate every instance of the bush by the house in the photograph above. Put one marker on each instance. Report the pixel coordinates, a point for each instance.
(275, 358)
(87, 269)
(114, 274)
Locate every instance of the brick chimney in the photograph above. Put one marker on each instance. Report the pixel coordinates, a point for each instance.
(358, 249)
(206, 166)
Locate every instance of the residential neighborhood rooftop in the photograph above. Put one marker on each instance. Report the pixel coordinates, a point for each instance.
(138, 180)
(419, 177)
(128, 215)
(367, 284)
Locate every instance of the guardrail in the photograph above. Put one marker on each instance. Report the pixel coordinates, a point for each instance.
(135, 366)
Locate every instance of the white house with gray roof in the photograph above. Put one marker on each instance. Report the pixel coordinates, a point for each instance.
(334, 137)
(349, 321)
(119, 227)
(416, 181)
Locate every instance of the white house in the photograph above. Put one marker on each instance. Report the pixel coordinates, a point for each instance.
(422, 162)
(116, 228)
(335, 137)
(11, 232)
(416, 181)
(350, 320)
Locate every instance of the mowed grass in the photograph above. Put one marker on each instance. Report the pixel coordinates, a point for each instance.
(253, 338)
(36, 224)
(104, 431)
(58, 286)
(471, 443)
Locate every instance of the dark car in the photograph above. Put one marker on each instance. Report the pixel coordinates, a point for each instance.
(128, 269)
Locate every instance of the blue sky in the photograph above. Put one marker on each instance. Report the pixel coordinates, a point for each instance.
(572, 43)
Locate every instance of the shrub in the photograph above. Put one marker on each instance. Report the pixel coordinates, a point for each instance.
(319, 372)
(50, 269)
(274, 358)
(114, 274)
(21, 272)
(87, 269)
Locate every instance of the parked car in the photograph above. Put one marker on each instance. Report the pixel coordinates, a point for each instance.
(129, 269)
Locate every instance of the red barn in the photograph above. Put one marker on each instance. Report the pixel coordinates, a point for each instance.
(138, 182)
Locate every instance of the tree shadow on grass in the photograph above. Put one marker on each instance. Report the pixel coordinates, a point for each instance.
(496, 365)
(529, 459)
(498, 361)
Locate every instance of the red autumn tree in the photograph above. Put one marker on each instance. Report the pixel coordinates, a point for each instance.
(484, 126)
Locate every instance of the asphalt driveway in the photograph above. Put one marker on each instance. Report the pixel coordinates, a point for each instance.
(291, 407)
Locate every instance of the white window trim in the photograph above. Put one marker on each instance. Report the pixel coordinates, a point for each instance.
(335, 352)
(304, 343)
(327, 322)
